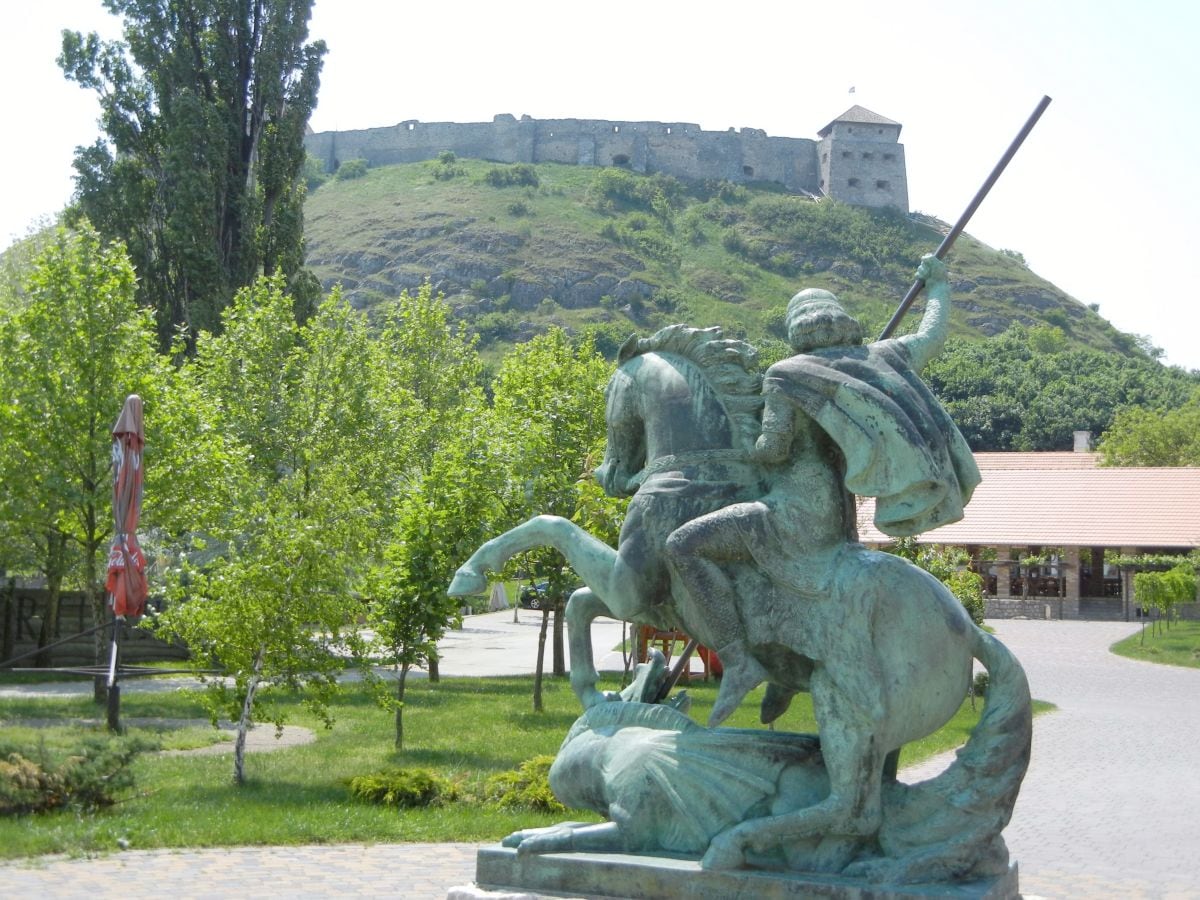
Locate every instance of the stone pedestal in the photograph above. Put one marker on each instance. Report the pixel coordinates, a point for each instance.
(612, 875)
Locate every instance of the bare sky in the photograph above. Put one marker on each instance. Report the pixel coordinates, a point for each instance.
(1102, 199)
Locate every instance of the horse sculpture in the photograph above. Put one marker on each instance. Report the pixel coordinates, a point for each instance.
(884, 649)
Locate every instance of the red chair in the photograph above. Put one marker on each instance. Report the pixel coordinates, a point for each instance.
(648, 635)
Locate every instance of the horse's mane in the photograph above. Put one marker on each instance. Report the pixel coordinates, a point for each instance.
(727, 364)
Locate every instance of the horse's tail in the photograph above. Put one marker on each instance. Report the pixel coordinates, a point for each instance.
(949, 827)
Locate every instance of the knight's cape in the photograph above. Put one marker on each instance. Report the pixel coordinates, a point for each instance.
(899, 444)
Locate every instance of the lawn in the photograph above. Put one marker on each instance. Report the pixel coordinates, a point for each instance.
(464, 729)
(1178, 645)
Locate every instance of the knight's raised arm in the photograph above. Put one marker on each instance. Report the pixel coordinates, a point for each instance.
(927, 341)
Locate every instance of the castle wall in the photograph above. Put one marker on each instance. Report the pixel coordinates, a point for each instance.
(861, 172)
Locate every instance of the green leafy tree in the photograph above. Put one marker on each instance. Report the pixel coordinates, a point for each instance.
(274, 597)
(441, 520)
(73, 345)
(420, 355)
(273, 610)
(549, 417)
(1163, 591)
(1145, 437)
(423, 355)
(1025, 390)
(201, 167)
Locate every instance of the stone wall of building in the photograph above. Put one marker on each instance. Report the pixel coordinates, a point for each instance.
(868, 171)
(1089, 609)
(1033, 608)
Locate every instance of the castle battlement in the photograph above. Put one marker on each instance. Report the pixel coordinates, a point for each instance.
(858, 158)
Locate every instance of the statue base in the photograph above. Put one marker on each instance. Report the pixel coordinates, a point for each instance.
(622, 875)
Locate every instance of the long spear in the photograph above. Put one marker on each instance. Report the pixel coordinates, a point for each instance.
(949, 239)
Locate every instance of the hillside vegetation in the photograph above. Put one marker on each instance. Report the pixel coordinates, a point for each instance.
(518, 248)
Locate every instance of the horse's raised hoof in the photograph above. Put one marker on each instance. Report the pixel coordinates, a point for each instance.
(775, 702)
(467, 582)
(743, 673)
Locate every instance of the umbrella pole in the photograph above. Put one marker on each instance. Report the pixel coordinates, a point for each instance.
(114, 689)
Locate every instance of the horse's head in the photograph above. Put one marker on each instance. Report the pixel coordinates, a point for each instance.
(625, 451)
(681, 391)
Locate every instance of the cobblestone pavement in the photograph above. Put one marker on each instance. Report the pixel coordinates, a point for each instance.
(416, 871)
(1110, 808)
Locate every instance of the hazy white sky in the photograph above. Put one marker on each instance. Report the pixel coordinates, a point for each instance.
(1102, 200)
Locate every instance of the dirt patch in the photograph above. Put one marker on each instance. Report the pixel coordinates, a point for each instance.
(260, 738)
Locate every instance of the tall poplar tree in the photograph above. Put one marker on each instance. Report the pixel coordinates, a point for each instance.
(199, 171)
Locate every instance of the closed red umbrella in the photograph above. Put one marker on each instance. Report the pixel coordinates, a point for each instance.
(126, 583)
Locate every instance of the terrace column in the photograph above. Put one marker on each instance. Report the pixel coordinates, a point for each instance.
(1127, 584)
(1003, 573)
(1071, 573)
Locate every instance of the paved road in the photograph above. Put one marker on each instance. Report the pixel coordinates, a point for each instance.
(1110, 808)
(1111, 804)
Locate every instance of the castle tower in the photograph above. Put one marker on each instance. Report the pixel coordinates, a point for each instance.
(861, 160)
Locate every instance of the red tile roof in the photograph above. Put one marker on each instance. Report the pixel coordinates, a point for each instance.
(1046, 499)
(991, 462)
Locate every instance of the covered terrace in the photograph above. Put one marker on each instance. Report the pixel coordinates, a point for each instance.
(1070, 519)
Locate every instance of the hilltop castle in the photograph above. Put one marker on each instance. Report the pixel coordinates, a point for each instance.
(858, 159)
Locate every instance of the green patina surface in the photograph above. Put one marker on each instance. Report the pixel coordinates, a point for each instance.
(741, 531)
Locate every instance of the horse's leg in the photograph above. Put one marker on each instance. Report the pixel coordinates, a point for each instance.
(592, 559)
(613, 588)
(582, 608)
(854, 808)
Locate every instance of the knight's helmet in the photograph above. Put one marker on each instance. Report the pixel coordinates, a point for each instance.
(816, 319)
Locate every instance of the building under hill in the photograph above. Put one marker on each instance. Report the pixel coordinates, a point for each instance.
(857, 160)
(1077, 516)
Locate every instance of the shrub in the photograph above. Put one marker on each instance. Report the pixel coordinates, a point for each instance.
(512, 176)
(501, 325)
(645, 235)
(518, 208)
(314, 173)
(351, 168)
(403, 788)
(527, 787)
(445, 173)
(614, 189)
(869, 237)
(1058, 318)
(732, 241)
(89, 778)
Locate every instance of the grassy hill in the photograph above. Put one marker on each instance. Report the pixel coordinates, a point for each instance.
(519, 248)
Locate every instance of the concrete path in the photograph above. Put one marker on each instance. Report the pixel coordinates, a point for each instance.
(1110, 808)
(488, 644)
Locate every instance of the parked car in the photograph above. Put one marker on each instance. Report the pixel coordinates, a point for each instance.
(537, 595)
(534, 595)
